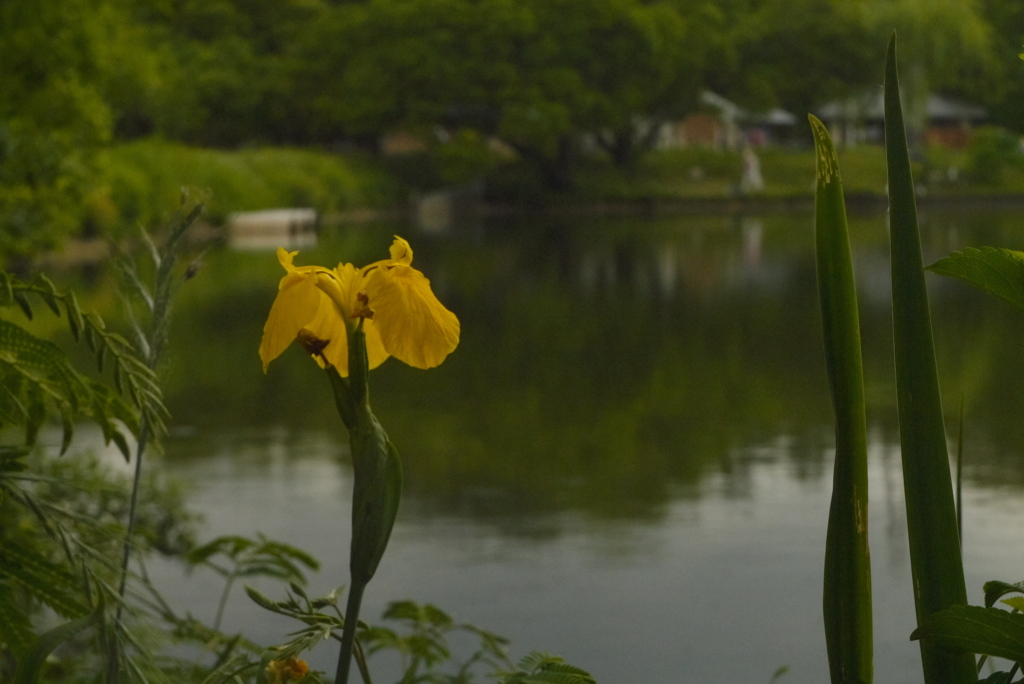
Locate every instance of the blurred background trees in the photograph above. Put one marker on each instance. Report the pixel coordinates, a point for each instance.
(544, 80)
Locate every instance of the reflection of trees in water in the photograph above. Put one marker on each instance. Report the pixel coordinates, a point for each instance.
(651, 259)
(618, 366)
(608, 364)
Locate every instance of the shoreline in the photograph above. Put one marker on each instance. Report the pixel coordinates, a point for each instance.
(78, 251)
(855, 202)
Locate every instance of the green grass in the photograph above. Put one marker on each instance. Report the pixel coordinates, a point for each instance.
(141, 181)
(686, 174)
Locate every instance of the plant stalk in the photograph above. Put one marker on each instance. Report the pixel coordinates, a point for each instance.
(348, 634)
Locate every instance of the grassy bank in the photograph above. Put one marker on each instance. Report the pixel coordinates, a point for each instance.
(142, 180)
(692, 174)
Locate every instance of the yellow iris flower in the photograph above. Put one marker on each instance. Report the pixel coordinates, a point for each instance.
(400, 314)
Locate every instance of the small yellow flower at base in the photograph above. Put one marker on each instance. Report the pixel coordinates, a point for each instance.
(286, 670)
(400, 314)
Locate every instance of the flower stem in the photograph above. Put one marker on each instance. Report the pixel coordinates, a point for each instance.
(348, 634)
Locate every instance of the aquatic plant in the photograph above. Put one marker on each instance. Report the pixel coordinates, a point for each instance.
(350, 320)
(949, 630)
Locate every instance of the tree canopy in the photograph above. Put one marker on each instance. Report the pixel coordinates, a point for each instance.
(550, 79)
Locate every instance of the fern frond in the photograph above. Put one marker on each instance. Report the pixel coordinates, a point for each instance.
(133, 376)
(15, 626)
(544, 668)
(44, 580)
(39, 380)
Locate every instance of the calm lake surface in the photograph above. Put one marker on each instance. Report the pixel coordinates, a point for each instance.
(627, 461)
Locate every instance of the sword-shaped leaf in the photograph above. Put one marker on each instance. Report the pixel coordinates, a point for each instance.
(847, 589)
(935, 560)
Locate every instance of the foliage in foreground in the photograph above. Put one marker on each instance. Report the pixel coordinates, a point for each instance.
(75, 540)
(950, 632)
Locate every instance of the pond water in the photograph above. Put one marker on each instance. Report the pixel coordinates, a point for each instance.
(627, 461)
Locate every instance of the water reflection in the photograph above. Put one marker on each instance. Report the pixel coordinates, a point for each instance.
(603, 361)
(636, 421)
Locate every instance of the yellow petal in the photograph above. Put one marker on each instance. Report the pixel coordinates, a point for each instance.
(327, 324)
(414, 326)
(401, 252)
(376, 353)
(338, 290)
(296, 304)
(286, 258)
(300, 303)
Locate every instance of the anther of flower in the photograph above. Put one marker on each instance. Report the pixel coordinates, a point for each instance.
(390, 299)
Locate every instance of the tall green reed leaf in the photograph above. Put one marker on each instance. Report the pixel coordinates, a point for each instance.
(847, 592)
(935, 560)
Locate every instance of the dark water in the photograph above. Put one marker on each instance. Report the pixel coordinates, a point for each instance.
(627, 461)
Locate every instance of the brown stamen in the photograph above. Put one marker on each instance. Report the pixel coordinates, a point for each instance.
(363, 310)
(311, 343)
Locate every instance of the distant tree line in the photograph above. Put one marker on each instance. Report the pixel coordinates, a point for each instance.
(538, 75)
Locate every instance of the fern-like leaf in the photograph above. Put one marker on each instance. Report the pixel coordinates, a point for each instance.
(15, 626)
(39, 380)
(133, 376)
(544, 668)
(41, 578)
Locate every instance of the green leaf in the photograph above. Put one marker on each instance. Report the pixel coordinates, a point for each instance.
(44, 580)
(283, 551)
(36, 416)
(543, 668)
(973, 629)
(6, 289)
(996, 678)
(995, 590)
(935, 559)
(12, 458)
(31, 666)
(995, 270)
(260, 600)
(22, 301)
(119, 381)
(229, 545)
(96, 321)
(847, 585)
(15, 626)
(90, 337)
(48, 293)
(75, 320)
(1015, 602)
(68, 430)
(375, 499)
(122, 445)
(436, 616)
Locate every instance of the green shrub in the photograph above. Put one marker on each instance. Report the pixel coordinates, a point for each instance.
(146, 176)
(992, 150)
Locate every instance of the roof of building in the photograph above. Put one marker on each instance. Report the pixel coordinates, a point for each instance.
(733, 112)
(870, 106)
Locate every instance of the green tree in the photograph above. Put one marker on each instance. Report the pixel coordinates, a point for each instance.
(540, 76)
(52, 118)
(368, 68)
(1007, 22)
(613, 69)
(218, 70)
(945, 45)
(796, 54)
